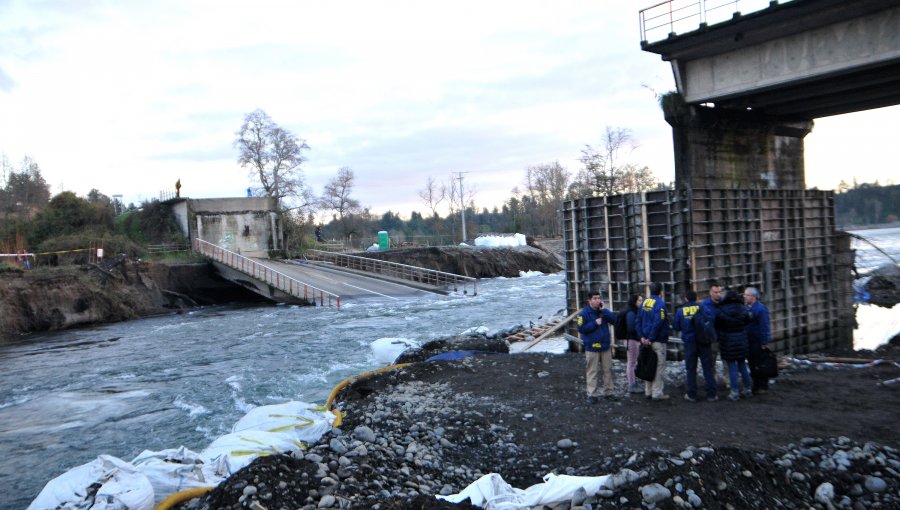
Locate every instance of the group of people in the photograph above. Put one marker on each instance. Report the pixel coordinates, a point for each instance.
(738, 322)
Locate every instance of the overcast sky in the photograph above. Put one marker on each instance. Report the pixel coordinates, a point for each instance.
(129, 96)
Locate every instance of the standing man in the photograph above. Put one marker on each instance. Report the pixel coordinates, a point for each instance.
(758, 335)
(593, 327)
(709, 308)
(687, 318)
(653, 326)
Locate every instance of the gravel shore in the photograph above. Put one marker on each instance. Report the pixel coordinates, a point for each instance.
(822, 437)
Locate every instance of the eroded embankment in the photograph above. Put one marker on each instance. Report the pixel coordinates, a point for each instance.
(49, 299)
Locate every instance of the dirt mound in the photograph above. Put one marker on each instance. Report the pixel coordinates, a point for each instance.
(474, 261)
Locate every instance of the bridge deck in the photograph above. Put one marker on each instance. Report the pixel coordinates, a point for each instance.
(348, 285)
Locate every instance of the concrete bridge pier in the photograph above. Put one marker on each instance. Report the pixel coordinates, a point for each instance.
(719, 148)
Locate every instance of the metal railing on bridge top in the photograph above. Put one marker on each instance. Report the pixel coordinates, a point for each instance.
(397, 270)
(273, 277)
(674, 17)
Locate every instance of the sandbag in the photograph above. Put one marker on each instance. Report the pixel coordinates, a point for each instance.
(177, 469)
(241, 448)
(300, 420)
(492, 492)
(121, 487)
(387, 349)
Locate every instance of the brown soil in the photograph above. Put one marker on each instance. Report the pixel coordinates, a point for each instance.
(822, 403)
(535, 400)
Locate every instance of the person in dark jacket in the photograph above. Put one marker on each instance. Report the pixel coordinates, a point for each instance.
(653, 326)
(633, 343)
(758, 336)
(731, 324)
(593, 327)
(709, 307)
(694, 352)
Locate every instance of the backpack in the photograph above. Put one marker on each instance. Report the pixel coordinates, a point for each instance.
(620, 329)
(704, 331)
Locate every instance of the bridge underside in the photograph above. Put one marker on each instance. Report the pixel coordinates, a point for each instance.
(749, 88)
(804, 59)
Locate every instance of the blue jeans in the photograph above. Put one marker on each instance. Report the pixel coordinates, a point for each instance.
(733, 367)
(693, 353)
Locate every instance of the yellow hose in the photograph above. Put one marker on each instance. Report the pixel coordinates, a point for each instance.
(181, 497)
(185, 495)
(338, 418)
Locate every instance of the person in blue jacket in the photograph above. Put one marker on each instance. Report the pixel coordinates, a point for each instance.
(759, 334)
(653, 326)
(731, 330)
(593, 327)
(693, 351)
(709, 307)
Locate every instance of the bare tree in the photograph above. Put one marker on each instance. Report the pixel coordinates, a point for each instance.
(546, 185)
(274, 156)
(604, 171)
(336, 198)
(432, 195)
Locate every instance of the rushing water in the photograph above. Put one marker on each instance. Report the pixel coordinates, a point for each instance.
(186, 379)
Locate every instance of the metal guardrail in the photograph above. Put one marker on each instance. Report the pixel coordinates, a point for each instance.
(166, 248)
(672, 17)
(397, 270)
(273, 277)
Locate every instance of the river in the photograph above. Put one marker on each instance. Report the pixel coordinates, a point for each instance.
(185, 379)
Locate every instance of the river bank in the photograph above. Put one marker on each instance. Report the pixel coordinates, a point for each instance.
(824, 436)
(57, 298)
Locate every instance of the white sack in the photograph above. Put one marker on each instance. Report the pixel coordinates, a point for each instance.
(387, 349)
(177, 469)
(122, 488)
(240, 448)
(298, 420)
(493, 493)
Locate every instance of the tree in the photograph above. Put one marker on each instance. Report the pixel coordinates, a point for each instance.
(273, 155)
(432, 195)
(462, 196)
(68, 214)
(546, 185)
(604, 173)
(26, 191)
(336, 198)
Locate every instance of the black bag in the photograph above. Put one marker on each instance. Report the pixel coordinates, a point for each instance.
(704, 331)
(621, 327)
(646, 364)
(767, 365)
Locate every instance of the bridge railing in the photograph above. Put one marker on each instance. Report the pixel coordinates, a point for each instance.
(262, 272)
(674, 17)
(397, 270)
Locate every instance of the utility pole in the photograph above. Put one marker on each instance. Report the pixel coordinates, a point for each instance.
(462, 203)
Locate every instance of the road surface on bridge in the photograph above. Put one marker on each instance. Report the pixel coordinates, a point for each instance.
(347, 285)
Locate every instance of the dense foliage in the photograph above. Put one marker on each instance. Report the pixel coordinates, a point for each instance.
(68, 228)
(867, 204)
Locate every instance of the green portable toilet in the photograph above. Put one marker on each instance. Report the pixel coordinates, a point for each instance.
(384, 242)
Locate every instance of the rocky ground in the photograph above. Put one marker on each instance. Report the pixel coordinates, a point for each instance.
(822, 437)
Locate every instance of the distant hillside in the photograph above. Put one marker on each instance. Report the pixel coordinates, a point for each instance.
(867, 204)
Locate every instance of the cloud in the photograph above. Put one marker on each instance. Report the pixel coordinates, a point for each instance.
(6, 82)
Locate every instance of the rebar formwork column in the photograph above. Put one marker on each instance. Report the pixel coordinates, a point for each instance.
(781, 241)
